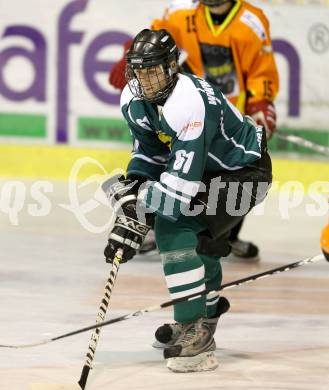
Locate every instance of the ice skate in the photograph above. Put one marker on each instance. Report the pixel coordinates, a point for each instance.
(194, 349)
(244, 249)
(167, 334)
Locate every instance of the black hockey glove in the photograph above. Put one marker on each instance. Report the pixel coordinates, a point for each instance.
(128, 233)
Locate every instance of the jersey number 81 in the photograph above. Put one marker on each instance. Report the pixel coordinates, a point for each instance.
(183, 161)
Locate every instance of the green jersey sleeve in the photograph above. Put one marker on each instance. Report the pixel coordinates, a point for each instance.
(149, 154)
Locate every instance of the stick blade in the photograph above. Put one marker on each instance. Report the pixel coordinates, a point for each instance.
(53, 386)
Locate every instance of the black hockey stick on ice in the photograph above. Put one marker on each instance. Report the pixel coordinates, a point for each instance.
(303, 142)
(149, 309)
(100, 319)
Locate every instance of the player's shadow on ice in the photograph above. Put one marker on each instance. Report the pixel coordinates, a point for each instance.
(154, 357)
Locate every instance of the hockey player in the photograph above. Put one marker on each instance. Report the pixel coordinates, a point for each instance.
(228, 43)
(202, 166)
(325, 242)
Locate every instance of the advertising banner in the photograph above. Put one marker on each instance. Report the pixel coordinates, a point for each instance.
(55, 59)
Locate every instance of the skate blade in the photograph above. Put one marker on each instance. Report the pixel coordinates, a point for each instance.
(157, 345)
(53, 386)
(205, 361)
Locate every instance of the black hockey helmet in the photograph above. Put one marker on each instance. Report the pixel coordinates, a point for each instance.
(214, 3)
(152, 65)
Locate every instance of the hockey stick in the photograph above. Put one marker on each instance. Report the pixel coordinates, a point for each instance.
(100, 319)
(226, 286)
(303, 142)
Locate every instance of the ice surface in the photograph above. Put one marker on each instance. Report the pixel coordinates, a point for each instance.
(52, 277)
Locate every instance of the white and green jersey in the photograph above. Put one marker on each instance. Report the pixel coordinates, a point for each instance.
(196, 131)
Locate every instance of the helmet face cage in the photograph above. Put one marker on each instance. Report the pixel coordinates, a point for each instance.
(214, 3)
(151, 83)
(152, 65)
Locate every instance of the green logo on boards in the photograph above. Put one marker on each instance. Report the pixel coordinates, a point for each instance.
(103, 129)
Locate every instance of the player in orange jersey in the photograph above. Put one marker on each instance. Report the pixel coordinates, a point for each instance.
(325, 242)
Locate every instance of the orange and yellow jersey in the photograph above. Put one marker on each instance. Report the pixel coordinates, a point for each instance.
(235, 55)
(324, 241)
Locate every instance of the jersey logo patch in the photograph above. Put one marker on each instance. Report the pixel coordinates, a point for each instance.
(144, 122)
(164, 138)
(259, 136)
(192, 125)
(254, 23)
(207, 88)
